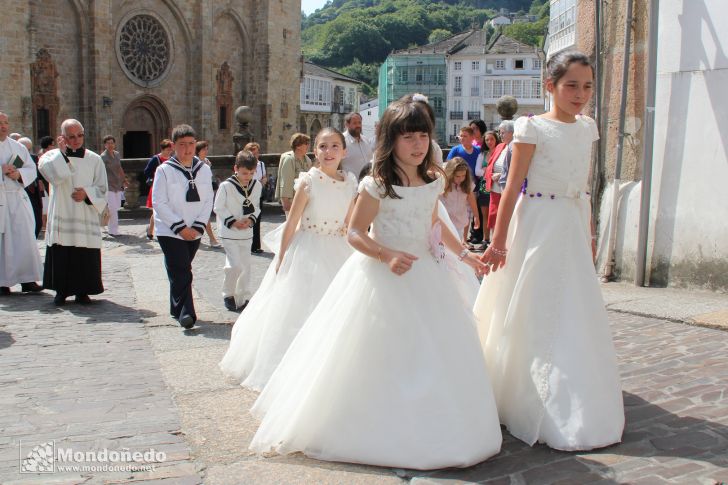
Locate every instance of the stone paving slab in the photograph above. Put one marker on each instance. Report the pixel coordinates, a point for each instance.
(173, 396)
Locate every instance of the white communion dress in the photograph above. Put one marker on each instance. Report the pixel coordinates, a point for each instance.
(266, 327)
(388, 369)
(542, 319)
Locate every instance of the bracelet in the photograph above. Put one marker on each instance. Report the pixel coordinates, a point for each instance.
(463, 253)
(379, 254)
(499, 252)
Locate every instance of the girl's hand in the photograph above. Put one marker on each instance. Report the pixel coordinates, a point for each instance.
(399, 262)
(472, 260)
(494, 258)
(278, 264)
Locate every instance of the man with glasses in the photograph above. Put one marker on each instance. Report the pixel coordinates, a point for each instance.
(73, 233)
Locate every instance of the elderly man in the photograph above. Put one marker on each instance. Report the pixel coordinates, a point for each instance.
(290, 166)
(73, 233)
(19, 257)
(359, 150)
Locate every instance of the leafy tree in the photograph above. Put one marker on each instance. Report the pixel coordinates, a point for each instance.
(437, 35)
(530, 33)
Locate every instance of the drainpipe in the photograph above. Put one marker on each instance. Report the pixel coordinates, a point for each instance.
(610, 264)
(597, 162)
(647, 150)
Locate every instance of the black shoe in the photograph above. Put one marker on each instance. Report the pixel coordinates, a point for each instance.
(187, 321)
(83, 299)
(257, 251)
(59, 299)
(229, 302)
(31, 287)
(5, 290)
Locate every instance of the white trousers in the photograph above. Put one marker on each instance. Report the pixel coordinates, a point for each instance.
(237, 269)
(114, 201)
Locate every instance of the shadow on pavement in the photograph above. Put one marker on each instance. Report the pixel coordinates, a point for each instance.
(6, 339)
(651, 432)
(210, 330)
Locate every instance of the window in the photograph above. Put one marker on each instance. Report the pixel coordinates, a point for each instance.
(403, 76)
(475, 65)
(458, 66)
(474, 86)
(458, 85)
(562, 28)
(536, 88)
(458, 105)
(418, 75)
(517, 88)
(497, 88)
(518, 64)
(537, 64)
(222, 120)
(500, 64)
(455, 129)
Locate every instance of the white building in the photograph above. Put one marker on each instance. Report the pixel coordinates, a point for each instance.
(480, 71)
(500, 20)
(562, 26)
(326, 97)
(369, 112)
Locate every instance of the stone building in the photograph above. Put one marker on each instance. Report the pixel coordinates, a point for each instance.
(326, 98)
(135, 69)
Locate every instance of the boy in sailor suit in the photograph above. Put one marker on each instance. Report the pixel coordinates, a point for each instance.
(237, 206)
(182, 200)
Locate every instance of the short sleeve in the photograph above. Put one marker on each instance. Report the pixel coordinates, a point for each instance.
(593, 128)
(369, 185)
(524, 131)
(352, 182)
(440, 185)
(304, 182)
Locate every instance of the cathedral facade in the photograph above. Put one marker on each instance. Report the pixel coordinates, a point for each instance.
(135, 69)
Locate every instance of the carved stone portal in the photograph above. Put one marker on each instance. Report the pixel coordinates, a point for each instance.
(44, 94)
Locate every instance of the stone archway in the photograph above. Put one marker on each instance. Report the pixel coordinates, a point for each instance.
(146, 124)
(315, 128)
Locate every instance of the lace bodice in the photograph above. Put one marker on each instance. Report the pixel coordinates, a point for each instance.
(328, 203)
(560, 163)
(404, 224)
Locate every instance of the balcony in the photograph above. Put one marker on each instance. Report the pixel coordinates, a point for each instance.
(341, 108)
(457, 92)
(456, 115)
(473, 115)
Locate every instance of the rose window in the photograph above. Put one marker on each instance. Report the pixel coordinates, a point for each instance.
(144, 49)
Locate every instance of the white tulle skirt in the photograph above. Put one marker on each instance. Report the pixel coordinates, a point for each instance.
(388, 371)
(276, 312)
(545, 332)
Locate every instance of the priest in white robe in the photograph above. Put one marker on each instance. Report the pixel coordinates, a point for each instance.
(19, 256)
(73, 232)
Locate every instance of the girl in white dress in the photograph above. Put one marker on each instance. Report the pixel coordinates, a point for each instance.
(384, 372)
(542, 319)
(312, 249)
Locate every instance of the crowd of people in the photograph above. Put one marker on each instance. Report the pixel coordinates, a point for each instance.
(389, 349)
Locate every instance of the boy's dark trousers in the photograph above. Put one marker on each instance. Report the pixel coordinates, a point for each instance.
(256, 229)
(178, 256)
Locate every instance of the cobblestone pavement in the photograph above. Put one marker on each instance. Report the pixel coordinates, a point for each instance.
(120, 374)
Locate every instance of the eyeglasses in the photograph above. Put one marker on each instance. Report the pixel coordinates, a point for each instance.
(73, 137)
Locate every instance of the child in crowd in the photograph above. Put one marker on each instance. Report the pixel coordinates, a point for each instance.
(237, 206)
(459, 196)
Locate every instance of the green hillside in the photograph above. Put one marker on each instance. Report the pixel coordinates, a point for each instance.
(355, 36)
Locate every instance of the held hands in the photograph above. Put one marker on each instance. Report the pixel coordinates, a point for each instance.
(399, 262)
(494, 258)
(188, 234)
(472, 260)
(78, 194)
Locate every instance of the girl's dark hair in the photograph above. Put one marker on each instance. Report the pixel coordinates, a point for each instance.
(410, 98)
(559, 63)
(495, 135)
(455, 165)
(329, 131)
(481, 126)
(399, 118)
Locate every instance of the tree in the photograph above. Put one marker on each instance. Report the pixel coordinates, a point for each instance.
(437, 35)
(530, 33)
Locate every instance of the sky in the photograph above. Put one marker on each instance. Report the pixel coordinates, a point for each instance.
(308, 6)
